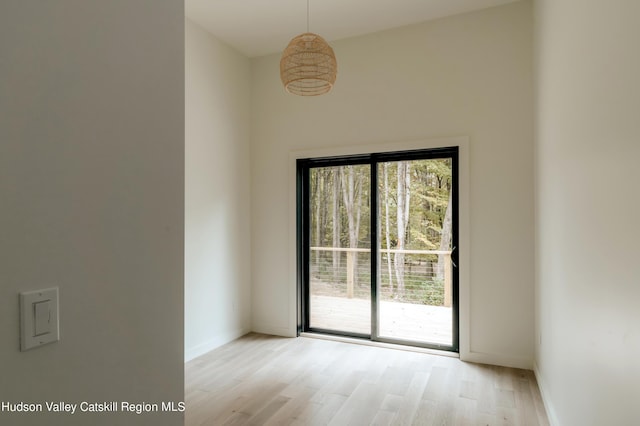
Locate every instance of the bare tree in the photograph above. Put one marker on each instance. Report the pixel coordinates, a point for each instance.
(336, 225)
(385, 174)
(352, 194)
(317, 186)
(445, 239)
(404, 199)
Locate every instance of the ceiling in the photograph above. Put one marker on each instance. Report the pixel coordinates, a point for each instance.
(260, 27)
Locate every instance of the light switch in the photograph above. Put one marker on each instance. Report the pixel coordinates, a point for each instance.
(38, 318)
(42, 313)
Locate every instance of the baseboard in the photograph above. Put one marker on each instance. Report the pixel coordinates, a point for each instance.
(209, 345)
(548, 406)
(496, 359)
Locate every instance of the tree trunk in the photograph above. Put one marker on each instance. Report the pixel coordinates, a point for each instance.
(352, 196)
(445, 240)
(336, 222)
(324, 212)
(385, 173)
(404, 195)
(318, 195)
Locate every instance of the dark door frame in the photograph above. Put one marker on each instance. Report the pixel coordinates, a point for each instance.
(303, 166)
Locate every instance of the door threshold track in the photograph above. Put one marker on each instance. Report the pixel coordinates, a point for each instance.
(380, 344)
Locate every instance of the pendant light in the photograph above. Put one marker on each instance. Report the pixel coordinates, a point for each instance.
(308, 65)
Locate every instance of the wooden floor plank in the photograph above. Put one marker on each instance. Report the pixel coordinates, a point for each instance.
(409, 403)
(384, 418)
(361, 406)
(425, 414)
(321, 413)
(291, 411)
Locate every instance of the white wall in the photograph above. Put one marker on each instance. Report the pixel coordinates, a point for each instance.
(464, 75)
(588, 274)
(217, 254)
(91, 190)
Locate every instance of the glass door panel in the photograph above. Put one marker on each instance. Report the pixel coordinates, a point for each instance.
(415, 242)
(340, 249)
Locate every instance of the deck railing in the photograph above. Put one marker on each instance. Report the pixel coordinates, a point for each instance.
(413, 273)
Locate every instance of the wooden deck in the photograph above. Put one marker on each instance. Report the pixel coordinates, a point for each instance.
(406, 321)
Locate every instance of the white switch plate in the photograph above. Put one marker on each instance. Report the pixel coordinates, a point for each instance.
(38, 318)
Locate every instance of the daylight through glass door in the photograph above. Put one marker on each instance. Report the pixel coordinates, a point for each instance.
(340, 249)
(415, 244)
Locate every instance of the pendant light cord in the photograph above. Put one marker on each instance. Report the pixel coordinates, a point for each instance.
(307, 15)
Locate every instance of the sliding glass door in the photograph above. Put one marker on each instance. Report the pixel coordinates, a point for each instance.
(377, 237)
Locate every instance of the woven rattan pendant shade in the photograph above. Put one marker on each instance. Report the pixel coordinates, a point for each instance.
(308, 66)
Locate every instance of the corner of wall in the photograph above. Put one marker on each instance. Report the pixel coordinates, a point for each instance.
(544, 392)
(217, 193)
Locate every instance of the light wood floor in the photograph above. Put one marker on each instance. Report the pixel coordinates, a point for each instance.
(266, 380)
